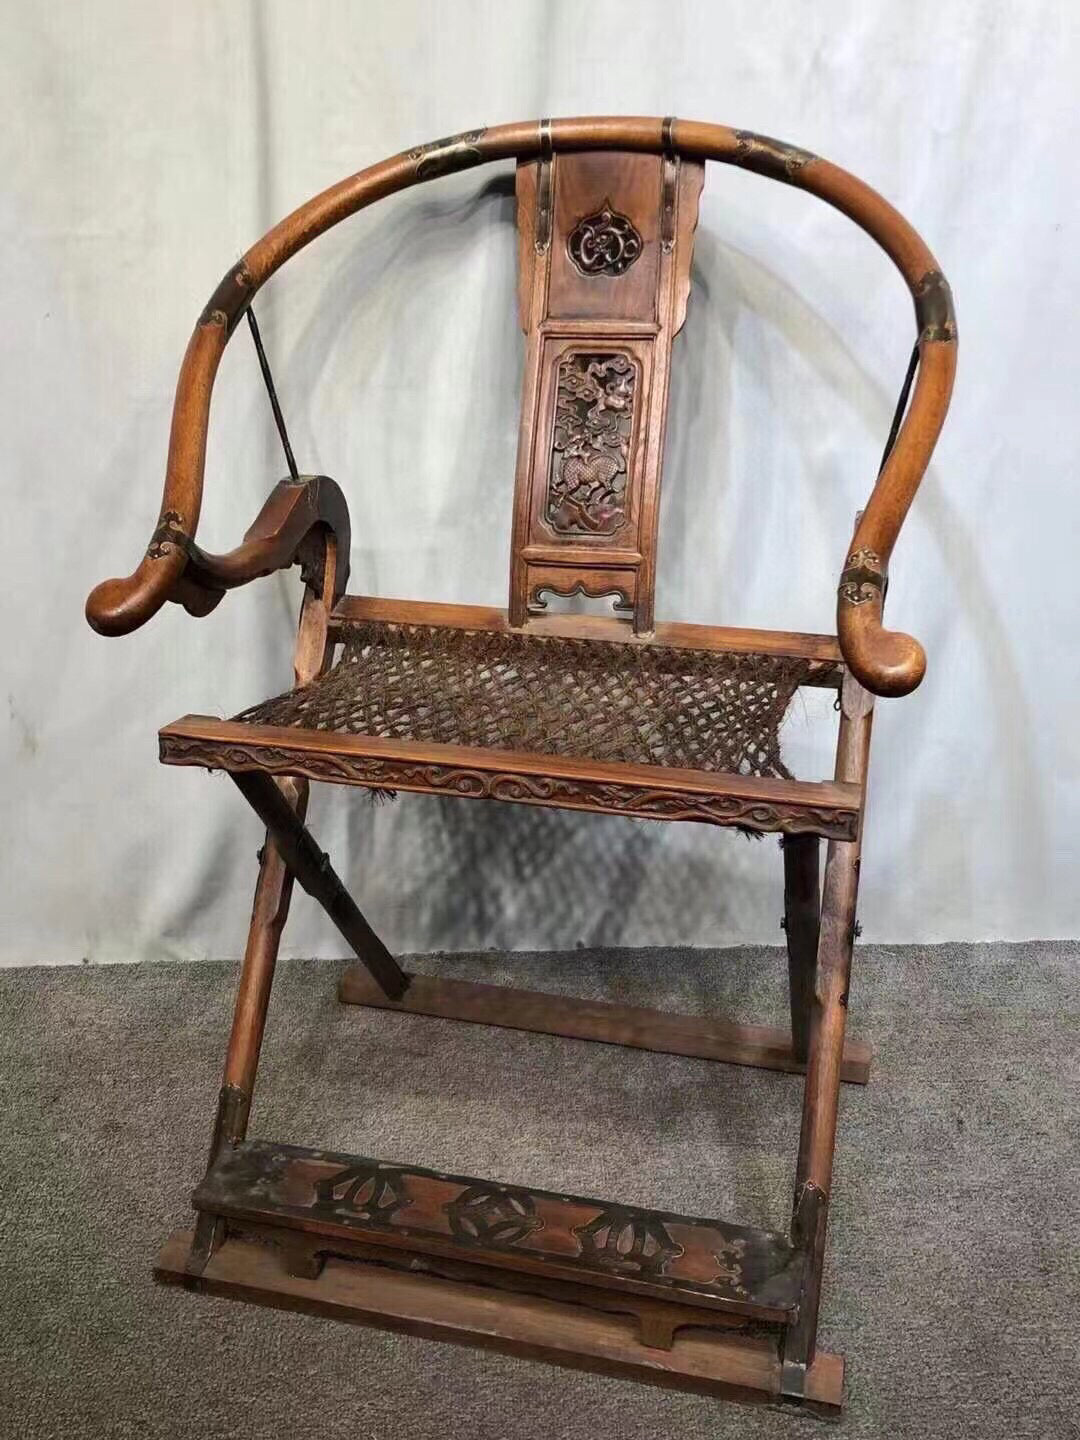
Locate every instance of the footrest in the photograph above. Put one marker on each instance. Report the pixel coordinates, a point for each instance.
(346, 1199)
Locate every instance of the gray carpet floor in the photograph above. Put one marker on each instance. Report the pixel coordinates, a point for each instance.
(953, 1276)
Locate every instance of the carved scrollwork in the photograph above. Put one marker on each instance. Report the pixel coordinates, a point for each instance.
(537, 788)
(604, 243)
(623, 605)
(729, 810)
(595, 395)
(835, 822)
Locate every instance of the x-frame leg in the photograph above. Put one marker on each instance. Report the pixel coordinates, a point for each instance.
(289, 853)
(238, 1198)
(273, 891)
(311, 866)
(802, 923)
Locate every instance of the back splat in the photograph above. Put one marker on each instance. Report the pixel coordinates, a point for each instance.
(605, 243)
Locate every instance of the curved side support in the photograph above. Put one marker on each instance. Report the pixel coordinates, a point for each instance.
(292, 525)
(885, 663)
(294, 510)
(116, 607)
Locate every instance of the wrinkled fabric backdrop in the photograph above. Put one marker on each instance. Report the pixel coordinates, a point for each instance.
(143, 147)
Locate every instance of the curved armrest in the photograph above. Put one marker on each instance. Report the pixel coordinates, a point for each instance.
(889, 662)
(297, 514)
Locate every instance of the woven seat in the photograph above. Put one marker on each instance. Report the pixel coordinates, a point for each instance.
(654, 705)
(453, 699)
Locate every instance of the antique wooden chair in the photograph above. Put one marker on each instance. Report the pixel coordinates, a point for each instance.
(610, 713)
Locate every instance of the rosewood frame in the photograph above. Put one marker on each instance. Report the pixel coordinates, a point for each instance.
(337, 1220)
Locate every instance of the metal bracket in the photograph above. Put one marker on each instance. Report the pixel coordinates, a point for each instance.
(934, 314)
(669, 189)
(168, 535)
(544, 188)
(770, 157)
(209, 1235)
(863, 578)
(807, 1234)
(453, 152)
(230, 1124)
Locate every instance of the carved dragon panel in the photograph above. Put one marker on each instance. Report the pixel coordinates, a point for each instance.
(595, 397)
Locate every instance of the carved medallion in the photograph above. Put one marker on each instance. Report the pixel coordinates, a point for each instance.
(362, 1192)
(631, 1242)
(489, 1215)
(605, 243)
(594, 423)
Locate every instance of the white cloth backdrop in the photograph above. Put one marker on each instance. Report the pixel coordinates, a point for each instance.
(143, 147)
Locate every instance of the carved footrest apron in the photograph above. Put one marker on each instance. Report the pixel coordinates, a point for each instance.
(327, 1200)
(631, 1280)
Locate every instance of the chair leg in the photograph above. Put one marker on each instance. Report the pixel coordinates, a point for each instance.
(270, 910)
(820, 1104)
(273, 891)
(828, 1017)
(802, 915)
(289, 852)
